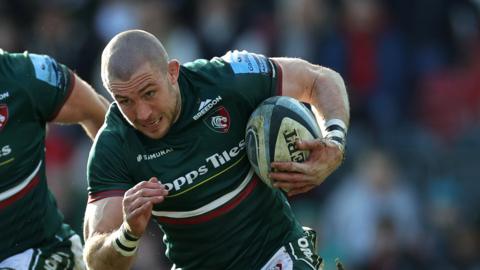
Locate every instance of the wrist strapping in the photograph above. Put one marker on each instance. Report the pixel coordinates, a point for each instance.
(336, 132)
(124, 242)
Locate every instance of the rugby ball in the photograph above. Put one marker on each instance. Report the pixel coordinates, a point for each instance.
(272, 130)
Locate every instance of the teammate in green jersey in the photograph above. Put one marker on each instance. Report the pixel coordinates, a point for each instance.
(173, 149)
(34, 90)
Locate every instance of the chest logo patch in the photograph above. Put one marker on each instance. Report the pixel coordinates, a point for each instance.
(218, 120)
(3, 115)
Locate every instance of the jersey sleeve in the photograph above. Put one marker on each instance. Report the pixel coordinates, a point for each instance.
(107, 172)
(47, 82)
(241, 74)
(253, 76)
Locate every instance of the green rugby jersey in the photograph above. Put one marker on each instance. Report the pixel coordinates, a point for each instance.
(218, 214)
(33, 88)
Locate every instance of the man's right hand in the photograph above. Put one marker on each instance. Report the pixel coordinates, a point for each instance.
(104, 219)
(138, 203)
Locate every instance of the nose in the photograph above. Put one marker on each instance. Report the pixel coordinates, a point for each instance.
(143, 111)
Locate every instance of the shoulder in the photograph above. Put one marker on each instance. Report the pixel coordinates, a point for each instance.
(244, 62)
(233, 63)
(14, 64)
(36, 69)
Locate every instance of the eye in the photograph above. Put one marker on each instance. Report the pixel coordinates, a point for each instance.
(125, 102)
(149, 94)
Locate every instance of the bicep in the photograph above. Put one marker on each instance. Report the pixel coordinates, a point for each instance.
(320, 86)
(298, 77)
(103, 216)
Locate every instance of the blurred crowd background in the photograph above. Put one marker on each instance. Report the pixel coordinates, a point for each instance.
(407, 195)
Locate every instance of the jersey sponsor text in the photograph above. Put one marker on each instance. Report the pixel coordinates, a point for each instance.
(245, 62)
(216, 160)
(155, 155)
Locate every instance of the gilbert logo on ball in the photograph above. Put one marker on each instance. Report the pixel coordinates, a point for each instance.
(272, 130)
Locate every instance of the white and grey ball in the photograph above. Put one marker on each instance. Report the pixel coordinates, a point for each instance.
(272, 130)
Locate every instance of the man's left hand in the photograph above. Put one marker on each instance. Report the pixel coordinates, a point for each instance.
(296, 178)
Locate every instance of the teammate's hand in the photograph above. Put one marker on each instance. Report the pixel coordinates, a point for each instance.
(138, 203)
(296, 177)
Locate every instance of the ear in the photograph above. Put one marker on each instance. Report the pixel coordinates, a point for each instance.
(173, 70)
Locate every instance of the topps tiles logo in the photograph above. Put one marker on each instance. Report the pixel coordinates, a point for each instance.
(4, 95)
(216, 161)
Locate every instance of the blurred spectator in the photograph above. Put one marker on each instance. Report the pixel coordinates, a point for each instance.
(450, 96)
(453, 237)
(8, 34)
(301, 26)
(114, 16)
(371, 54)
(373, 215)
(216, 25)
(52, 34)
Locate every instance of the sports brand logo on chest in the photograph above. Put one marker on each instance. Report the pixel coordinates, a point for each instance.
(213, 114)
(153, 155)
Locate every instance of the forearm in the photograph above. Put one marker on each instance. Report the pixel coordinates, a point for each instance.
(95, 121)
(329, 95)
(100, 254)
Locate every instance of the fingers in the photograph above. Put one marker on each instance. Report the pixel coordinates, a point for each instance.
(288, 177)
(291, 185)
(144, 193)
(149, 188)
(144, 208)
(296, 177)
(289, 167)
(319, 152)
(292, 182)
(300, 190)
(158, 191)
(324, 145)
(151, 183)
(311, 144)
(141, 201)
(153, 180)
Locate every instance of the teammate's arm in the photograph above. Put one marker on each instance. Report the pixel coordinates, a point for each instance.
(108, 220)
(325, 89)
(84, 106)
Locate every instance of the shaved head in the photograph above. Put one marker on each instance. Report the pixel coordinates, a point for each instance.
(127, 52)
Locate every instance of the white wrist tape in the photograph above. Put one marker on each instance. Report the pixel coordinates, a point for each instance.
(125, 243)
(336, 131)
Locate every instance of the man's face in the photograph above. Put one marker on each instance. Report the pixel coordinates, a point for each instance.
(149, 100)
